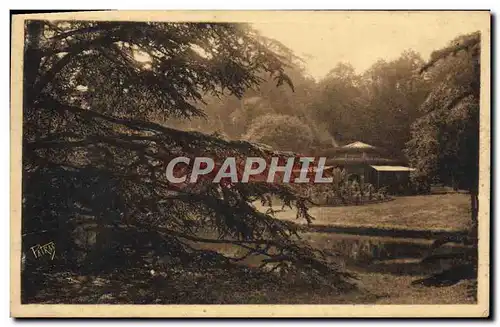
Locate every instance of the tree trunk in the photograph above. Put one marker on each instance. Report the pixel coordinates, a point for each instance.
(32, 58)
(474, 206)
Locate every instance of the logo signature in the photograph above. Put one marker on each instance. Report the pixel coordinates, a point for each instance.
(46, 249)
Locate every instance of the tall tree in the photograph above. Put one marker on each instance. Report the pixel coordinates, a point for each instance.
(445, 144)
(394, 92)
(94, 148)
(339, 104)
(445, 140)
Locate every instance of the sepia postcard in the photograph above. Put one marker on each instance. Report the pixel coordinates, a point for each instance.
(250, 164)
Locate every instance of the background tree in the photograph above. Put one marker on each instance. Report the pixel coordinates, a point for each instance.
(95, 146)
(377, 106)
(340, 105)
(283, 132)
(234, 116)
(264, 99)
(394, 90)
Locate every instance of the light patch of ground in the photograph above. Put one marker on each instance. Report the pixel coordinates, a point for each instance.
(445, 212)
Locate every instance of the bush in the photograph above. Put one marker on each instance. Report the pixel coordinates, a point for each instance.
(282, 132)
(419, 184)
(344, 192)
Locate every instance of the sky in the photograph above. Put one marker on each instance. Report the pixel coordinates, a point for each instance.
(363, 38)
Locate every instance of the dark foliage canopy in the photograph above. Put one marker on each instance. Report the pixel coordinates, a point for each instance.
(94, 152)
(445, 139)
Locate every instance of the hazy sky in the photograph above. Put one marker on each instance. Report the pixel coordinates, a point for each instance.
(361, 39)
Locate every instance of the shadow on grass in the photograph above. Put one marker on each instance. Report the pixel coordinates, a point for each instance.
(383, 232)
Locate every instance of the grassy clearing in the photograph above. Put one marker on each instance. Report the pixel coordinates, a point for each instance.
(443, 212)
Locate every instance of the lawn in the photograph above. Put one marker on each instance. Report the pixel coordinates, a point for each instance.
(443, 212)
(389, 279)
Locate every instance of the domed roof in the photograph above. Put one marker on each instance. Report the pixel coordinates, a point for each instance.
(358, 145)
